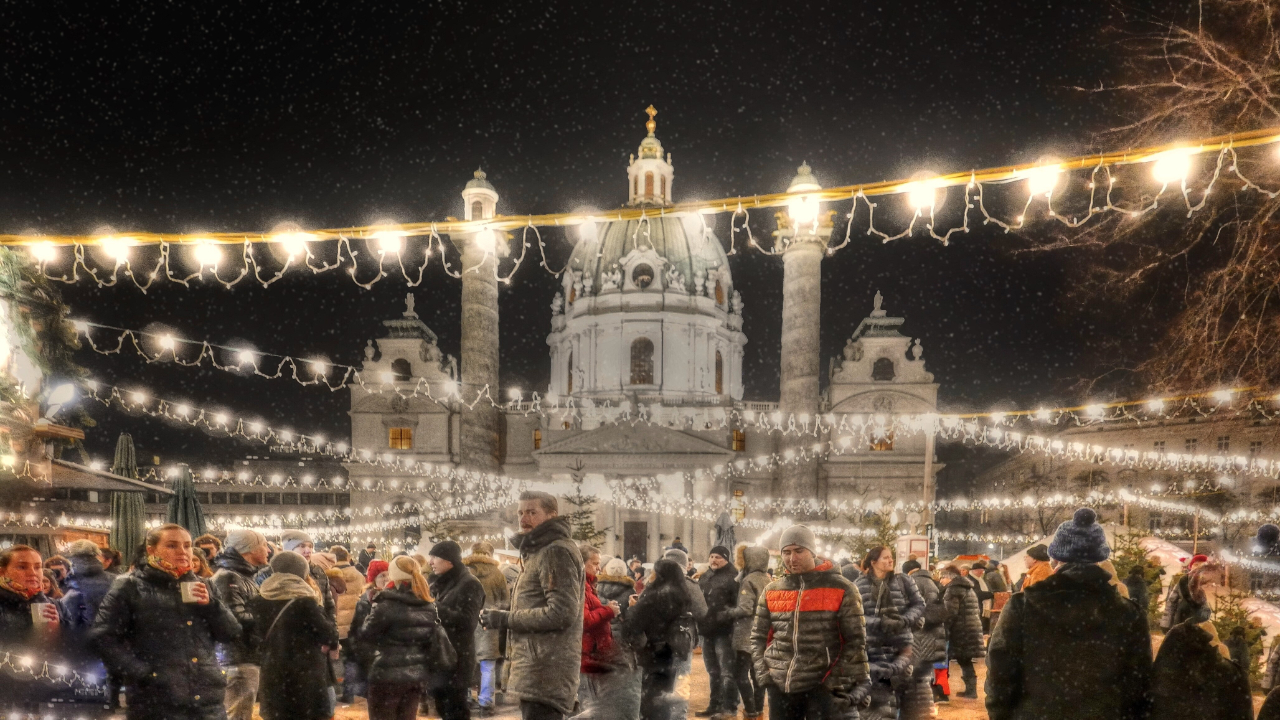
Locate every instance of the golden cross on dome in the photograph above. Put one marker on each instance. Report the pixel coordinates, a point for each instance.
(651, 125)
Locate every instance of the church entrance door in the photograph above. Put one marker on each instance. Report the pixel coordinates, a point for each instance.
(635, 540)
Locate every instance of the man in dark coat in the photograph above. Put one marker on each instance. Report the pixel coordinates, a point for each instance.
(545, 619)
(720, 589)
(1192, 678)
(21, 572)
(87, 584)
(1071, 646)
(159, 644)
(459, 600)
(244, 552)
(367, 555)
(964, 626)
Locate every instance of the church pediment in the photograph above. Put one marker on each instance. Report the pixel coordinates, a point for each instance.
(624, 440)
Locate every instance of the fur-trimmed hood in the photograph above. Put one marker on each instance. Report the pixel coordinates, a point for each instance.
(477, 559)
(619, 579)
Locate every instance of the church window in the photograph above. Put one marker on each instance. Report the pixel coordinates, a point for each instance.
(648, 184)
(719, 374)
(568, 384)
(477, 211)
(537, 439)
(664, 187)
(882, 370)
(739, 441)
(719, 293)
(642, 276)
(635, 185)
(400, 438)
(401, 369)
(642, 361)
(884, 443)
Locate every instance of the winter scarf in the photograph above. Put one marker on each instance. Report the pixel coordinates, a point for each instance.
(23, 591)
(165, 566)
(286, 586)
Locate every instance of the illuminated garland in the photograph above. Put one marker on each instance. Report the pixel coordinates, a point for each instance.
(23, 663)
(1170, 165)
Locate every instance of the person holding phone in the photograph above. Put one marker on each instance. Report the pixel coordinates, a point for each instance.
(156, 630)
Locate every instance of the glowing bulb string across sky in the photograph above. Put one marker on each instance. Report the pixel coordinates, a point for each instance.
(21, 662)
(1171, 165)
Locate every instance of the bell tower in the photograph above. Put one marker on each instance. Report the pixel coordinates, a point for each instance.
(649, 176)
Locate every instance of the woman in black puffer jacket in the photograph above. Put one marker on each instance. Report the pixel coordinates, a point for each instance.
(399, 631)
(964, 626)
(893, 608)
(657, 626)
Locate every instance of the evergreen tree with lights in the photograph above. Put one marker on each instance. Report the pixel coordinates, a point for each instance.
(583, 517)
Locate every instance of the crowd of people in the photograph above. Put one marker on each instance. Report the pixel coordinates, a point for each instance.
(219, 628)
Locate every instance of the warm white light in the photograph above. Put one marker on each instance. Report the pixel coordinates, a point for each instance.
(804, 210)
(294, 243)
(1094, 411)
(117, 248)
(167, 342)
(139, 397)
(319, 368)
(182, 410)
(44, 251)
(1155, 405)
(515, 393)
(245, 356)
(220, 419)
(255, 427)
(1043, 415)
(207, 253)
(389, 241)
(486, 241)
(1172, 166)
(1042, 180)
(921, 194)
(1223, 396)
(388, 377)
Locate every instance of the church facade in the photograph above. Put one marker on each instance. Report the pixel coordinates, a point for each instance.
(647, 321)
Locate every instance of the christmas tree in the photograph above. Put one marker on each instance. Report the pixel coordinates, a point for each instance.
(1228, 614)
(1129, 554)
(583, 517)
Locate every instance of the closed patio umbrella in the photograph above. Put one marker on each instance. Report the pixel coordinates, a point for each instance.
(184, 506)
(128, 512)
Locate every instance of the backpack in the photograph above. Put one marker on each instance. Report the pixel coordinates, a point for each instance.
(680, 635)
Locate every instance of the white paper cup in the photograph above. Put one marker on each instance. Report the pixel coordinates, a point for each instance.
(188, 592)
(37, 613)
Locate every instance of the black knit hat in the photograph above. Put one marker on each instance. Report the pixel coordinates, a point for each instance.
(1038, 552)
(1080, 539)
(720, 550)
(910, 565)
(447, 550)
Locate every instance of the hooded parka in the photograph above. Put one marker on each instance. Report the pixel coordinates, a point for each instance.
(545, 622)
(496, 597)
(809, 632)
(754, 560)
(1070, 647)
(233, 584)
(964, 620)
(87, 585)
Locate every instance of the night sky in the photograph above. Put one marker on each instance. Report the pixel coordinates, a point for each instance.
(239, 115)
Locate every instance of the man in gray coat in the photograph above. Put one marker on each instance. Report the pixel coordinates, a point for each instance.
(545, 620)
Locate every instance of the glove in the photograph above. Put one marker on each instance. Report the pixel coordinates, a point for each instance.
(494, 619)
(860, 696)
(892, 623)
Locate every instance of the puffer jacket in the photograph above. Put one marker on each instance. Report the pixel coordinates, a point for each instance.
(809, 631)
(398, 631)
(87, 584)
(459, 600)
(964, 620)
(545, 622)
(163, 648)
(496, 597)
(1070, 647)
(720, 589)
(597, 632)
(345, 602)
(753, 560)
(929, 644)
(893, 609)
(233, 584)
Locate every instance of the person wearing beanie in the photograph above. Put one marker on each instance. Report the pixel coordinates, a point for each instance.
(459, 598)
(1038, 567)
(928, 645)
(488, 642)
(293, 635)
(808, 639)
(1071, 646)
(234, 568)
(719, 586)
(964, 628)
(995, 579)
(297, 541)
(87, 584)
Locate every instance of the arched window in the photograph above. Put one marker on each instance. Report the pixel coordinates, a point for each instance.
(569, 375)
(882, 370)
(635, 185)
(648, 184)
(664, 187)
(642, 361)
(401, 369)
(719, 293)
(719, 372)
(477, 210)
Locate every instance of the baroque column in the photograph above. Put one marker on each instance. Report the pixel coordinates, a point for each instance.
(804, 233)
(481, 424)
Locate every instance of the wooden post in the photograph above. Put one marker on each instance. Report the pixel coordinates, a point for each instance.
(1126, 515)
(1195, 534)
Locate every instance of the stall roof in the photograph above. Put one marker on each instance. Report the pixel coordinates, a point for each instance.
(73, 475)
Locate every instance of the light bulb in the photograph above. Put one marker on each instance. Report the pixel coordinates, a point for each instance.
(486, 241)
(1172, 166)
(208, 253)
(294, 243)
(319, 368)
(167, 342)
(921, 194)
(389, 241)
(117, 248)
(803, 210)
(44, 251)
(1042, 180)
(245, 356)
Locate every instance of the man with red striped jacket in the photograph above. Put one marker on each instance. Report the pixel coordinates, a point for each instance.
(809, 638)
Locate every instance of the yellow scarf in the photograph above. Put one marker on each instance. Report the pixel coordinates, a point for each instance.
(167, 567)
(22, 591)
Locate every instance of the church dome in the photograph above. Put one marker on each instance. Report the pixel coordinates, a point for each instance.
(680, 244)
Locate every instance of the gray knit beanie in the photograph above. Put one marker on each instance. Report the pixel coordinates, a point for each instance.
(799, 535)
(244, 540)
(1080, 540)
(679, 556)
(291, 539)
(290, 562)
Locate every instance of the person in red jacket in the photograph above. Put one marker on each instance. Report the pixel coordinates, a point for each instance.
(598, 657)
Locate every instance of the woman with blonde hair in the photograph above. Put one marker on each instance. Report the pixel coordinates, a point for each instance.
(292, 631)
(399, 631)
